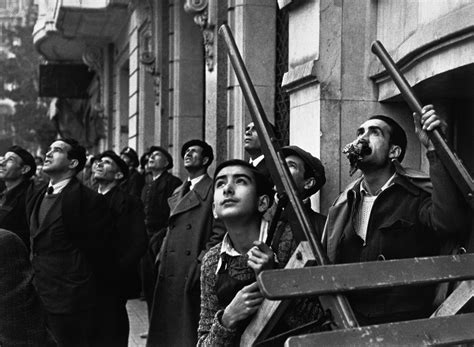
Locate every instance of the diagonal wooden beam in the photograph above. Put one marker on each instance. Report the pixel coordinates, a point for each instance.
(458, 298)
(423, 332)
(330, 279)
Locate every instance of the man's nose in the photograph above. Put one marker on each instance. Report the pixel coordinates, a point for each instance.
(228, 188)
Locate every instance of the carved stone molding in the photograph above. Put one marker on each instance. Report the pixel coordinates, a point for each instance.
(92, 57)
(200, 9)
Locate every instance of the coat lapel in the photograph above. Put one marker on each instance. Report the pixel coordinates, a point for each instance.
(192, 199)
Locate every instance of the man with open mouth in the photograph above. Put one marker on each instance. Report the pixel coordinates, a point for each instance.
(391, 212)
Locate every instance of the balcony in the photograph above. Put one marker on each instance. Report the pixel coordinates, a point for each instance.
(66, 27)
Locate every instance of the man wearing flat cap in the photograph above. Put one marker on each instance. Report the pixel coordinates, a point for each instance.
(16, 170)
(129, 244)
(308, 176)
(135, 181)
(157, 211)
(192, 230)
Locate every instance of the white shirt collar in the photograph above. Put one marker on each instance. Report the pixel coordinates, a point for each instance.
(106, 190)
(59, 186)
(228, 248)
(195, 181)
(257, 160)
(387, 184)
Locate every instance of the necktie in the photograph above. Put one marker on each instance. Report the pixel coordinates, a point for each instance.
(50, 190)
(186, 187)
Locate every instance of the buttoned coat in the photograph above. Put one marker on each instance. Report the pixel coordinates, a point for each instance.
(22, 321)
(191, 231)
(76, 262)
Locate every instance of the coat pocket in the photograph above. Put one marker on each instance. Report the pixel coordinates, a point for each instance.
(398, 240)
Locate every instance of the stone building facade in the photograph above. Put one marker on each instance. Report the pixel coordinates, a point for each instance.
(163, 76)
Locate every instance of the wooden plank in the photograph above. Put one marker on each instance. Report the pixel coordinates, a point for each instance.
(267, 315)
(458, 298)
(423, 332)
(317, 280)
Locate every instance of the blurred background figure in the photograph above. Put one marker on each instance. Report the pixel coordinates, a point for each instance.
(135, 181)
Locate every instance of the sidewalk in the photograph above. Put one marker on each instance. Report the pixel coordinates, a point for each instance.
(137, 314)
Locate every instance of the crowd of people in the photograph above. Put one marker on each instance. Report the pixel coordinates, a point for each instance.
(80, 235)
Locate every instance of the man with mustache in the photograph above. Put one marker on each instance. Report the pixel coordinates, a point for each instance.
(391, 213)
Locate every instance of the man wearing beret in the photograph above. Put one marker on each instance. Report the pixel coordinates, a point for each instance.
(157, 211)
(70, 229)
(16, 170)
(135, 181)
(192, 230)
(129, 244)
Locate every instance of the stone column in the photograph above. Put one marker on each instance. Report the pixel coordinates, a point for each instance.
(186, 87)
(253, 25)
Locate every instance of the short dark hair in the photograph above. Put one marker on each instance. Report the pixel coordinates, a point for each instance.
(398, 136)
(262, 183)
(206, 149)
(77, 152)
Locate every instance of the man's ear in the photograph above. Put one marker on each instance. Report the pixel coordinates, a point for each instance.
(214, 213)
(205, 161)
(394, 152)
(263, 203)
(118, 175)
(25, 169)
(309, 183)
(73, 163)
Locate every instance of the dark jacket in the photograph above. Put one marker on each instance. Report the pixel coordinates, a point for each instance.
(134, 183)
(155, 200)
(13, 212)
(191, 231)
(71, 255)
(22, 321)
(406, 220)
(129, 240)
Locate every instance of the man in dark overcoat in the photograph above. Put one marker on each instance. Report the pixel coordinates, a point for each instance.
(70, 242)
(22, 321)
(16, 170)
(157, 211)
(191, 231)
(129, 244)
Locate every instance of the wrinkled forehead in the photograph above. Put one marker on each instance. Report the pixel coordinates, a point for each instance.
(60, 144)
(375, 123)
(194, 148)
(9, 155)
